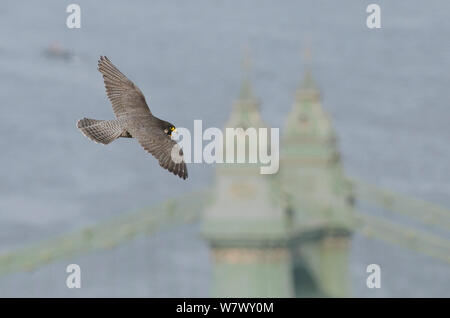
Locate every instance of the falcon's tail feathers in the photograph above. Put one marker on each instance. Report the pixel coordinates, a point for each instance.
(100, 131)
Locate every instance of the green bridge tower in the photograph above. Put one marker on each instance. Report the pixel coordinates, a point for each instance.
(245, 226)
(283, 235)
(317, 194)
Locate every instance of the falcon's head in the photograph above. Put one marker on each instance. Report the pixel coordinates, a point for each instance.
(168, 128)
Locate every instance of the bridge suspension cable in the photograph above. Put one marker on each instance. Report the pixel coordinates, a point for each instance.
(182, 210)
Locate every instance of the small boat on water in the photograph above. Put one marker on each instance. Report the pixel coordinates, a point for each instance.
(55, 50)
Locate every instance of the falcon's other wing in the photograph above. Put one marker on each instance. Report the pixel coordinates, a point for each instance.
(167, 151)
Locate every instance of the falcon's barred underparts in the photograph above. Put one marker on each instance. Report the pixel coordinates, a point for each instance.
(134, 120)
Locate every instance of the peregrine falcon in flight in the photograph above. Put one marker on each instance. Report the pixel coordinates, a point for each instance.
(134, 120)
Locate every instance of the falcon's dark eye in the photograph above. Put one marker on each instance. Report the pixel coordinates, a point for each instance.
(171, 130)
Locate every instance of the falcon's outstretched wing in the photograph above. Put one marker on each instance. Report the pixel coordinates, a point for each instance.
(125, 97)
(167, 151)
